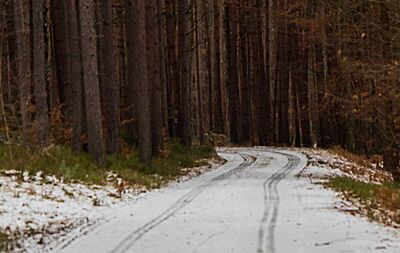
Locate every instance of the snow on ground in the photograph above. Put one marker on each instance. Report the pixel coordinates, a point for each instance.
(36, 210)
(253, 203)
(324, 164)
(261, 200)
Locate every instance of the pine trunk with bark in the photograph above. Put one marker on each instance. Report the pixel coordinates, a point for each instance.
(216, 106)
(172, 73)
(39, 74)
(185, 63)
(130, 93)
(204, 67)
(243, 67)
(258, 80)
(272, 47)
(59, 15)
(231, 29)
(108, 85)
(23, 41)
(138, 79)
(91, 80)
(75, 59)
(154, 73)
(283, 108)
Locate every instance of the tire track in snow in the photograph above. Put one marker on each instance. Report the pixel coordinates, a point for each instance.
(80, 232)
(136, 235)
(266, 238)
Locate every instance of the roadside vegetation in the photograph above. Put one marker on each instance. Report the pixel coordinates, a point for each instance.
(359, 159)
(80, 167)
(362, 181)
(379, 202)
(4, 241)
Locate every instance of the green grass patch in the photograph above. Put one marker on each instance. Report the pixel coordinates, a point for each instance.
(63, 162)
(168, 165)
(383, 197)
(362, 190)
(58, 161)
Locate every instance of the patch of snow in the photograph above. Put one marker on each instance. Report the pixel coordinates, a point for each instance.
(216, 213)
(36, 210)
(335, 165)
(220, 211)
(323, 165)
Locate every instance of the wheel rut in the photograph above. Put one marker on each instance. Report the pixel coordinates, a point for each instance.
(136, 235)
(266, 237)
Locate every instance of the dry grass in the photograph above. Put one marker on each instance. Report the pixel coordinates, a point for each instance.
(4, 243)
(80, 167)
(378, 202)
(364, 183)
(356, 158)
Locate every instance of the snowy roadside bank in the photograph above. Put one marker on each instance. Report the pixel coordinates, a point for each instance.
(323, 167)
(328, 164)
(36, 210)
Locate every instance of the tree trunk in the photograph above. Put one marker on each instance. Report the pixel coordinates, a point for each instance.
(163, 66)
(245, 89)
(204, 67)
(4, 78)
(217, 118)
(258, 80)
(75, 58)
(12, 48)
(91, 79)
(283, 76)
(131, 37)
(185, 58)
(172, 68)
(54, 93)
(311, 83)
(153, 71)
(138, 78)
(292, 110)
(39, 74)
(62, 55)
(23, 41)
(109, 88)
(232, 74)
(197, 125)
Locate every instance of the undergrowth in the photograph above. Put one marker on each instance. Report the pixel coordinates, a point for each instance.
(4, 242)
(356, 158)
(385, 197)
(63, 162)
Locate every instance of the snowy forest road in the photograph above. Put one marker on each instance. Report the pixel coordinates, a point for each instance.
(253, 203)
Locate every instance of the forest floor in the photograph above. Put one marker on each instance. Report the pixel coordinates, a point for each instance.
(260, 200)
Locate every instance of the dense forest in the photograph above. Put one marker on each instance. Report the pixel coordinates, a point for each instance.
(100, 75)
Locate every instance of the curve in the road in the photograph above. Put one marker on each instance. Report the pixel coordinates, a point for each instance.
(271, 203)
(136, 235)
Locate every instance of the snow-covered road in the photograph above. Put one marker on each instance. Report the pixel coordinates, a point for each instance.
(253, 203)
